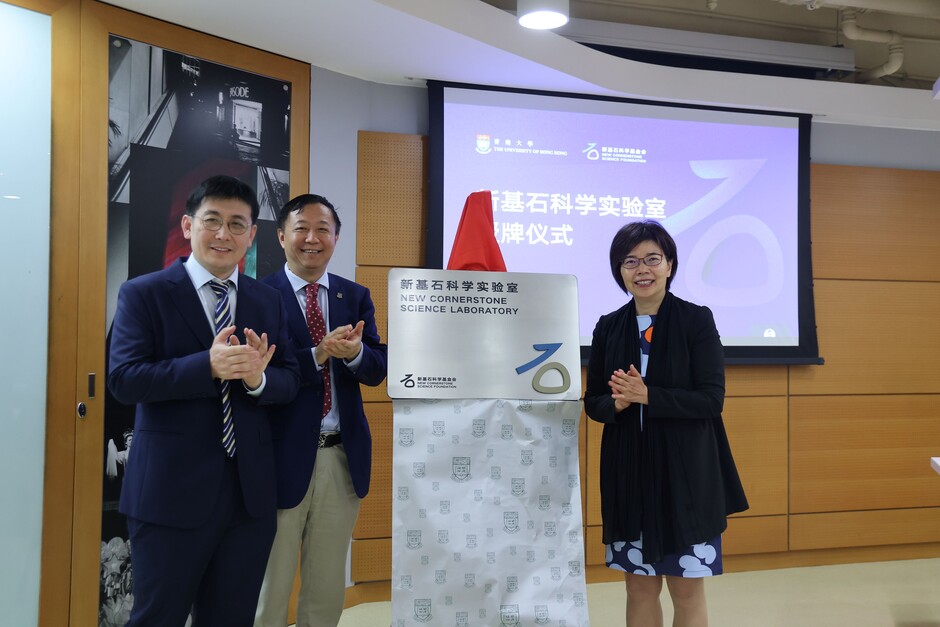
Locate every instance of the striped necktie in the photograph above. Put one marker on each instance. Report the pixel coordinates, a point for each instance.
(223, 318)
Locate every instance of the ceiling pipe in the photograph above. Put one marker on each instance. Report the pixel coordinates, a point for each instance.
(853, 31)
(916, 8)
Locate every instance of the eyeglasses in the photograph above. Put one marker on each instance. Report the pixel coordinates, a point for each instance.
(650, 260)
(235, 227)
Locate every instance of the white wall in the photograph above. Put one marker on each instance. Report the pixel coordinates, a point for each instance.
(25, 116)
(340, 107)
(842, 144)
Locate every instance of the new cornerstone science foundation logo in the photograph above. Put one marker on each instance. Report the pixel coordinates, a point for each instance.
(428, 383)
(615, 154)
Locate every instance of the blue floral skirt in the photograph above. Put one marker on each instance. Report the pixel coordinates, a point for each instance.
(699, 560)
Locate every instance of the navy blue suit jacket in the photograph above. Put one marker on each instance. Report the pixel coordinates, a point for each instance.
(295, 427)
(160, 341)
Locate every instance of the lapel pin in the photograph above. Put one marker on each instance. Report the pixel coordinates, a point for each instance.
(339, 294)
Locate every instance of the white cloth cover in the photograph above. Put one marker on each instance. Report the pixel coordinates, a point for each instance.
(486, 514)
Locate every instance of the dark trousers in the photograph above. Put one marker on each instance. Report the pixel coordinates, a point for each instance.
(214, 571)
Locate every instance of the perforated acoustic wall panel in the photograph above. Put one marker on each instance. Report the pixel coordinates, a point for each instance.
(376, 279)
(392, 209)
(375, 513)
(391, 221)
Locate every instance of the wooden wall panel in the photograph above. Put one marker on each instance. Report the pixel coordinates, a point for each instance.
(875, 223)
(755, 381)
(592, 505)
(376, 279)
(61, 376)
(368, 592)
(877, 337)
(584, 478)
(822, 557)
(594, 549)
(758, 534)
(863, 452)
(872, 528)
(375, 513)
(588, 480)
(757, 430)
(371, 560)
(391, 218)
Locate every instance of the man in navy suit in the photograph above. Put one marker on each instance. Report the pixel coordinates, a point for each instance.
(199, 487)
(322, 442)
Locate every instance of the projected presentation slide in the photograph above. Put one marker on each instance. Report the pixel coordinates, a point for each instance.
(567, 173)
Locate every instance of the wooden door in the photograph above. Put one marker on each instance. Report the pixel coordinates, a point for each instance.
(71, 540)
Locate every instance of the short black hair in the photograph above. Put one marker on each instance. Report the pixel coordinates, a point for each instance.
(299, 202)
(632, 235)
(223, 187)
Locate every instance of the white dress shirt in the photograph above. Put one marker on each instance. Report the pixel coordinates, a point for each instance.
(299, 285)
(201, 278)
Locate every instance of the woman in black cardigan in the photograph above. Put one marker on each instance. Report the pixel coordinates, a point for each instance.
(667, 477)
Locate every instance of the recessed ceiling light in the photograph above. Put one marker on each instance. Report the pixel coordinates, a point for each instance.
(542, 14)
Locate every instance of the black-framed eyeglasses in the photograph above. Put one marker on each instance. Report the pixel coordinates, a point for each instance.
(650, 260)
(235, 227)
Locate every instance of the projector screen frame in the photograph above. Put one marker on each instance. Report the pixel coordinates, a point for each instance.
(805, 353)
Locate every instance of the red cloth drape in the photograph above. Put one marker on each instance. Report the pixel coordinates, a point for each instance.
(475, 245)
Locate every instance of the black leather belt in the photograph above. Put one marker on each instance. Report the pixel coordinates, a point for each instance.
(327, 440)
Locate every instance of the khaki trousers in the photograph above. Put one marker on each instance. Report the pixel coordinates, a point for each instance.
(318, 530)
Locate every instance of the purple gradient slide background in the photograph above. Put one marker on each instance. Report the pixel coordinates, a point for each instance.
(728, 194)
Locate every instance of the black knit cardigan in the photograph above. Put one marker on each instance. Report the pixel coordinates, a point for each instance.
(675, 480)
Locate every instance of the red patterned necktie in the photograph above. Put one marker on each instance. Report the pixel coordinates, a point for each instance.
(317, 327)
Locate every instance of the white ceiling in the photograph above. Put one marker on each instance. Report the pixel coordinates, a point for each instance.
(405, 42)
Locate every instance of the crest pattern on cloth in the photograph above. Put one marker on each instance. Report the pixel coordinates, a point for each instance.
(486, 515)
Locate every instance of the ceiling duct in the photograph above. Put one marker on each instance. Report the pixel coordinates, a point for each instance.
(708, 45)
